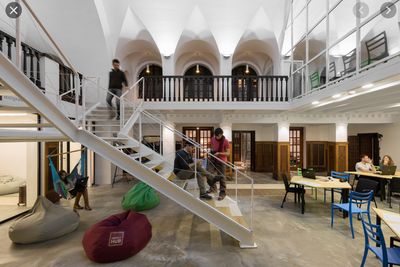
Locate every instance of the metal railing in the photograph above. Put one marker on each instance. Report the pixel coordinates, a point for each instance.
(147, 118)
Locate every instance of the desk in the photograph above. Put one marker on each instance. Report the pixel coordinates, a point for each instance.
(324, 183)
(391, 219)
(381, 178)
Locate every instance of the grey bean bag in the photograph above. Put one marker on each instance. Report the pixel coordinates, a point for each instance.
(44, 221)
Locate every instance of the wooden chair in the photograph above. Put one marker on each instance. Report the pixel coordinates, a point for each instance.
(377, 48)
(349, 62)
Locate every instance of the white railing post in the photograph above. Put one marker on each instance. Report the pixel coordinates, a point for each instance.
(76, 89)
(236, 184)
(195, 162)
(18, 47)
(140, 136)
(84, 104)
(121, 113)
(252, 204)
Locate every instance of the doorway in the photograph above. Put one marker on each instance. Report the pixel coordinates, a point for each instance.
(243, 149)
(296, 141)
(244, 83)
(198, 83)
(201, 135)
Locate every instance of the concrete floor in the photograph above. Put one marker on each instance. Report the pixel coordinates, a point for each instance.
(284, 237)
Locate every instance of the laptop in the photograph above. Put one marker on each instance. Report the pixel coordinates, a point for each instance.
(308, 173)
(389, 170)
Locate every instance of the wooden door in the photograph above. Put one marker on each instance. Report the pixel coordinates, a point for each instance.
(50, 149)
(201, 135)
(296, 140)
(243, 148)
(354, 152)
(316, 155)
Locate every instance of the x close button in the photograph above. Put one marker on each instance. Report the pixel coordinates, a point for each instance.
(13, 10)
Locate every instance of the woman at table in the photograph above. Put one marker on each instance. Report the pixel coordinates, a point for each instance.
(386, 161)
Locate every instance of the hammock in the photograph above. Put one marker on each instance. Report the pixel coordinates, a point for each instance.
(59, 186)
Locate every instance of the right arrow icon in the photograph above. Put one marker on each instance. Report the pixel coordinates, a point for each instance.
(388, 10)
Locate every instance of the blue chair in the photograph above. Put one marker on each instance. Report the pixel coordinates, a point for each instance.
(373, 233)
(354, 206)
(337, 175)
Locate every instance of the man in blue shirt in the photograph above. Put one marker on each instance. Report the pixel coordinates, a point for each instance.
(184, 168)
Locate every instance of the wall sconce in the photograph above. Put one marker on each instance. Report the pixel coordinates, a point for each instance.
(197, 69)
(147, 69)
(247, 71)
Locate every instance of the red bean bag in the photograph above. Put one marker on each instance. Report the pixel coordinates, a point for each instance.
(117, 238)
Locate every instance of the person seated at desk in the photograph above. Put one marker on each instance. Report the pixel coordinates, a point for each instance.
(365, 165)
(386, 161)
(184, 169)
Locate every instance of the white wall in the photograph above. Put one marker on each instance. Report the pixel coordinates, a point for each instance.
(320, 132)
(389, 144)
(20, 159)
(264, 132)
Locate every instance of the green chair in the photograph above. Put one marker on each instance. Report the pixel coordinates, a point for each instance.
(315, 80)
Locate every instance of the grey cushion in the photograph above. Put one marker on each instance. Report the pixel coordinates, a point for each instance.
(44, 221)
(10, 184)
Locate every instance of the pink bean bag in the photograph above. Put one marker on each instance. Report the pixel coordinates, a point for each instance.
(117, 238)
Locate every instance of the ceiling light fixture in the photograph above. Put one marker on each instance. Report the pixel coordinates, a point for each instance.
(147, 69)
(336, 96)
(197, 69)
(315, 103)
(367, 86)
(247, 71)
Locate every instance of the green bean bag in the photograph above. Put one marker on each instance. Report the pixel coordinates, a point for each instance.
(140, 197)
(45, 221)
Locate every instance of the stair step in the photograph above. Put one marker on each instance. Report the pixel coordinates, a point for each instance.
(153, 163)
(102, 108)
(101, 131)
(229, 208)
(113, 124)
(127, 146)
(114, 138)
(144, 155)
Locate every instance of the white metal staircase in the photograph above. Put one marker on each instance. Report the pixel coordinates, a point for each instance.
(154, 171)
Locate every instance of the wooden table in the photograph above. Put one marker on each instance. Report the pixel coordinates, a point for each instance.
(391, 219)
(324, 183)
(382, 179)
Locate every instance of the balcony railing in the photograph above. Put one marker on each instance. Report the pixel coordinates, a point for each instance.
(215, 88)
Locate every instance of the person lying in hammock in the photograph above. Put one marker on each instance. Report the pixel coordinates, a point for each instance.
(78, 190)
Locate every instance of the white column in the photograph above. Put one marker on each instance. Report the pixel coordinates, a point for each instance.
(168, 68)
(225, 68)
(104, 170)
(168, 65)
(341, 132)
(168, 143)
(227, 128)
(282, 131)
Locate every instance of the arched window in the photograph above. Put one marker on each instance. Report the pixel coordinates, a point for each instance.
(198, 83)
(153, 83)
(244, 83)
